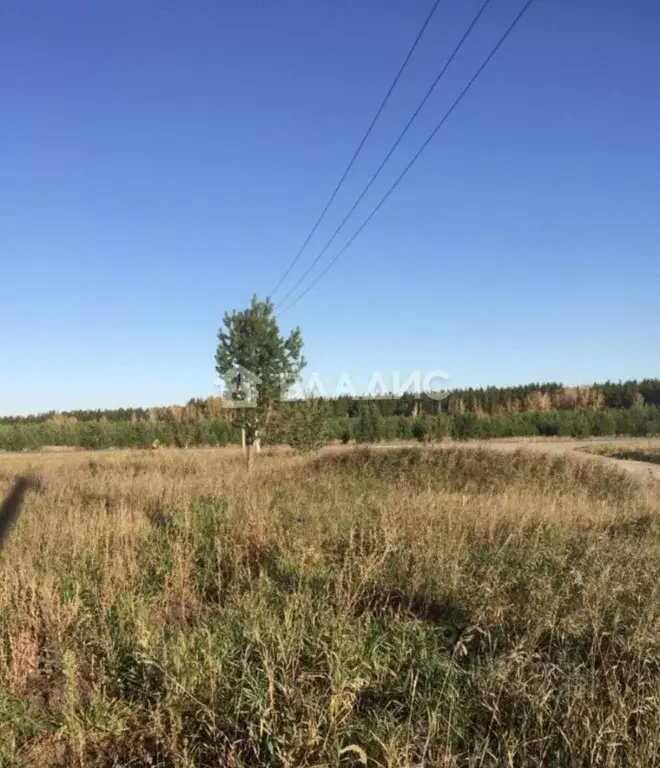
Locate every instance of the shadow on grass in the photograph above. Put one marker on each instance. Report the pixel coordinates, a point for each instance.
(651, 457)
(12, 505)
(449, 617)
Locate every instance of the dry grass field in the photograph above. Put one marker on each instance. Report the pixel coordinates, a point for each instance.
(408, 607)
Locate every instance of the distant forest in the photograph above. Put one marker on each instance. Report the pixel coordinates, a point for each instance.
(488, 401)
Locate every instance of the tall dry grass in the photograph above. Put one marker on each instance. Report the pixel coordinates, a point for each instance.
(404, 607)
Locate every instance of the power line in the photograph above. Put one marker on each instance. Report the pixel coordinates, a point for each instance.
(417, 155)
(393, 148)
(359, 149)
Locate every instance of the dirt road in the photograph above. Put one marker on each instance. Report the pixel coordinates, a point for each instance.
(644, 470)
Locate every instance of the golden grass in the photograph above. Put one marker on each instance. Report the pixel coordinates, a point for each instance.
(454, 607)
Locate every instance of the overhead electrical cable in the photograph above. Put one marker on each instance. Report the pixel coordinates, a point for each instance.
(392, 149)
(416, 156)
(359, 148)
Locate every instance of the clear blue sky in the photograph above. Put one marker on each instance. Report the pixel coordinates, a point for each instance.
(160, 161)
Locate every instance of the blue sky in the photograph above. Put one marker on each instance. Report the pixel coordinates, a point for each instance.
(162, 161)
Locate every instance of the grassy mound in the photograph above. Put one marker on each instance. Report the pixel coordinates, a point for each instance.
(480, 470)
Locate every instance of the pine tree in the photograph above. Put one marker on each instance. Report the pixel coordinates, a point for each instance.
(369, 426)
(257, 364)
(306, 426)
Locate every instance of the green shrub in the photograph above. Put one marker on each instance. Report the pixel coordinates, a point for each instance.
(369, 424)
(603, 424)
(306, 425)
(404, 428)
(419, 431)
(466, 425)
(581, 425)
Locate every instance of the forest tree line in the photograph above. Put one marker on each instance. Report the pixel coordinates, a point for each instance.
(487, 401)
(302, 430)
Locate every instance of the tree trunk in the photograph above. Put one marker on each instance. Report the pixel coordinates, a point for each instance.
(250, 457)
(252, 443)
(243, 446)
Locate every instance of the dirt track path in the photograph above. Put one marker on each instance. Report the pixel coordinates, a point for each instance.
(644, 470)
